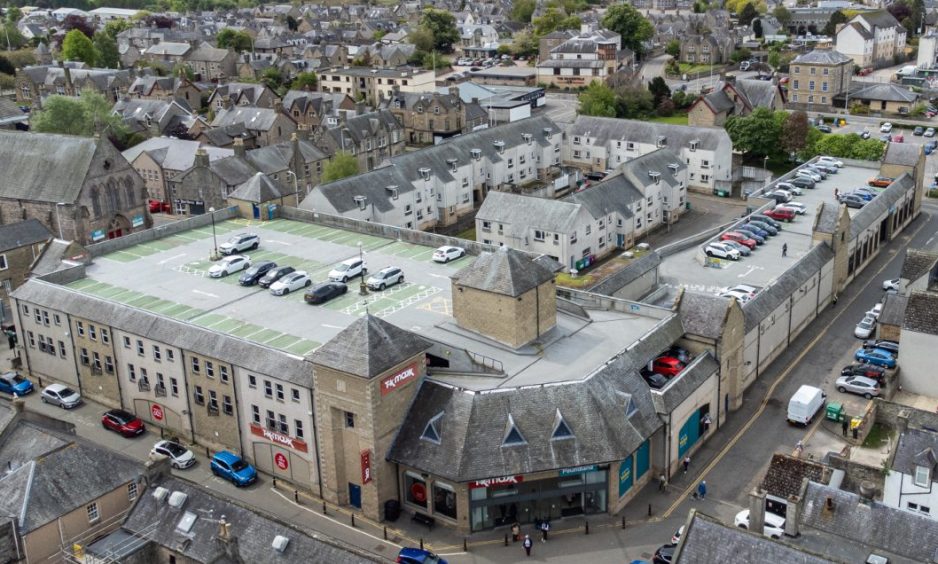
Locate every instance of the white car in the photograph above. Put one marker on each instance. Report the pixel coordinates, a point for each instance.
(876, 311)
(62, 396)
(721, 250)
(178, 455)
(229, 265)
(783, 194)
(830, 161)
(885, 128)
(891, 285)
(346, 269)
(796, 207)
(293, 281)
(240, 242)
(865, 327)
(774, 524)
(741, 297)
(751, 290)
(385, 277)
(447, 253)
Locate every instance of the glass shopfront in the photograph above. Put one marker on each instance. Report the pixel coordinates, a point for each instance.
(502, 501)
(421, 492)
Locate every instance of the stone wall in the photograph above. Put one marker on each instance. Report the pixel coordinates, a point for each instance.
(112, 245)
(856, 473)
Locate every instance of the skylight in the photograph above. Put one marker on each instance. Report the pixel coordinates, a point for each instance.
(188, 520)
(432, 431)
(561, 429)
(513, 436)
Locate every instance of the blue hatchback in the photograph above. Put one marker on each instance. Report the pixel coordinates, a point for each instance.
(876, 357)
(230, 467)
(418, 556)
(13, 383)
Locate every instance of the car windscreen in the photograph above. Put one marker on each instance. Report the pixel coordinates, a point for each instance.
(17, 379)
(67, 392)
(175, 450)
(238, 465)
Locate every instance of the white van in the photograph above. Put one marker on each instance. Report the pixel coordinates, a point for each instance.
(908, 70)
(804, 405)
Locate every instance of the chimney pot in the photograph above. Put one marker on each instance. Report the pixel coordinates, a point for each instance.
(829, 503)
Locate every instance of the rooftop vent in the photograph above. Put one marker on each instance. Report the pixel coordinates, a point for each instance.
(499, 145)
(829, 503)
(425, 173)
(548, 132)
(160, 493)
(526, 137)
(654, 174)
(674, 167)
(280, 543)
(177, 499)
(662, 141)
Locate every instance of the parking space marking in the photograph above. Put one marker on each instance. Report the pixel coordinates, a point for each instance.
(174, 257)
(284, 341)
(201, 293)
(303, 347)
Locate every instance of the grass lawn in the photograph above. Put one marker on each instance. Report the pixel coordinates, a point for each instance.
(687, 68)
(676, 119)
(468, 234)
(879, 436)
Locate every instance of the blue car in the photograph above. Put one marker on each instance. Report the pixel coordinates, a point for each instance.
(229, 466)
(930, 147)
(754, 229)
(876, 357)
(418, 556)
(12, 383)
(750, 232)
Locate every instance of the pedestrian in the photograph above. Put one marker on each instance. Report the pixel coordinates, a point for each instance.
(706, 423)
(834, 300)
(836, 193)
(662, 483)
(11, 338)
(844, 426)
(516, 532)
(784, 249)
(545, 526)
(686, 463)
(702, 489)
(527, 544)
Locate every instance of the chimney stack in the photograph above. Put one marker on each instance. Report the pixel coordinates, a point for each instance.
(201, 157)
(756, 510)
(239, 150)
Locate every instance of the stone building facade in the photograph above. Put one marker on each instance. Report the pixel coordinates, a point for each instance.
(212, 401)
(97, 369)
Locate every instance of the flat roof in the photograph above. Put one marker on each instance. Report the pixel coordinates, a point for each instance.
(169, 277)
(765, 264)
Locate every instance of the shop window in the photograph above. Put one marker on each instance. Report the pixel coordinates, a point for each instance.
(561, 429)
(432, 431)
(444, 500)
(415, 489)
(513, 436)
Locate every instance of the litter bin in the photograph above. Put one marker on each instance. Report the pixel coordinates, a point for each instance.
(835, 411)
(392, 510)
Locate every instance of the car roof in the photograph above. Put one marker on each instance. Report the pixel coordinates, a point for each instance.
(352, 260)
(226, 456)
(413, 552)
(56, 387)
(120, 413)
(862, 379)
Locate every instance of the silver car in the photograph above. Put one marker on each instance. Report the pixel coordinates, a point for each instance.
(62, 396)
(860, 385)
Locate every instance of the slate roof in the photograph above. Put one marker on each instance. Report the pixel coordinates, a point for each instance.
(22, 233)
(11, 113)
(174, 154)
(157, 520)
(881, 204)
(704, 314)
(719, 101)
(785, 474)
(260, 188)
(915, 447)
(368, 347)
(893, 310)
(759, 93)
(519, 213)
(781, 289)
(506, 271)
(921, 313)
(45, 167)
(905, 154)
(473, 426)
(253, 118)
(683, 385)
(918, 263)
(880, 18)
(885, 92)
(634, 270)
(606, 129)
(827, 218)
(205, 52)
(822, 57)
(169, 48)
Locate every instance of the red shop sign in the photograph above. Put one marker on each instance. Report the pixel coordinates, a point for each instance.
(366, 466)
(418, 491)
(391, 383)
(280, 439)
(157, 412)
(281, 461)
(503, 481)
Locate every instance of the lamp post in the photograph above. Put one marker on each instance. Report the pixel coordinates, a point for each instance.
(58, 219)
(362, 287)
(765, 167)
(295, 189)
(214, 238)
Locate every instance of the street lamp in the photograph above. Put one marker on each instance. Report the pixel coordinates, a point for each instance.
(295, 189)
(765, 167)
(214, 238)
(58, 220)
(362, 287)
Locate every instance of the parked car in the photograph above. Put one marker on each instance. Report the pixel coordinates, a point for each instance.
(665, 554)
(876, 357)
(825, 168)
(740, 296)
(886, 137)
(156, 206)
(892, 284)
(891, 347)
(291, 282)
(852, 200)
(824, 128)
(13, 383)
(179, 456)
(780, 196)
(229, 265)
(865, 327)
(865, 370)
(781, 214)
(240, 242)
(120, 421)
(746, 291)
(739, 238)
(676, 537)
(349, 268)
(324, 291)
(229, 466)
(831, 161)
(886, 127)
(880, 181)
(385, 277)
(814, 169)
(274, 274)
(447, 253)
(752, 233)
(257, 271)
(864, 192)
(722, 250)
(796, 207)
(930, 132)
(770, 229)
(865, 134)
(667, 365)
(808, 173)
(744, 251)
(766, 219)
(803, 182)
(860, 385)
(62, 396)
(876, 311)
(805, 404)
(918, 131)
(418, 556)
(774, 526)
(930, 147)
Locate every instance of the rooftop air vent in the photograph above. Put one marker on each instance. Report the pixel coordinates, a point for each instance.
(548, 132)
(280, 543)
(160, 493)
(425, 173)
(654, 174)
(662, 141)
(177, 499)
(476, 153)
(674, 167)
(526, 137)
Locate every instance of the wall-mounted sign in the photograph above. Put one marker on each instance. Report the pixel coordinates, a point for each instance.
(281, 461)
(157, 412)
(97, 235)
(578, 470)
(137, 221)
(366, 466)
(503, 481)
(398, 380)
(280, 439)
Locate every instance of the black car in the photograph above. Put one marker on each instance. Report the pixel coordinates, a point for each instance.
(275, 274)
(257, 271)
(665, 554)
(770, 229)
(323, 292)
(769, 220)
(890, 346)
(865, 370)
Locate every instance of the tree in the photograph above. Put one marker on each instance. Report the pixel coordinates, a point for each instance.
(161, 21)
(442, 25)
(272, 78)
(673, 48)
(74, 21)
(305, 81)
(682, 99)
(341, 166)
(292, 24)
(665, 108)
(756, 134)
(181, 69)
(757, 28)
(630, 24)
(836, 19)
(106, 53)
(868, 149)
(634, 102)
(114, 27)
(77, 47)
(524, 44)
(598, 100)
(554, 20)
(14, 14)
(742, 54)
(77, 116)
(234, 39)
(10, 37)
(782, 14)
(794, 132)
(422, 39)
(748, 14)
(522, 10)
(659, 90)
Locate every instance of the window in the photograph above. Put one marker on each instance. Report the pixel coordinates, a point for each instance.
(105, 336)
(227, 405)
(298, 428)
(813, 70)
(57, 319)
(92, 332)
(256, 414)
(109, 364)
(279, 392)
(45, 313)
(174, 387)
(132, 491)
(444, 500)
(209, 369)
(84, 356)
(416, 489)
(349, 420)
(170, 355)
(513, 436)
(271, 421)
(252, 381)
(195, 365)
(25, 309)
(922, 477)
(810, 85)
(131, 373)
(32, 339)
(223, 373)
(79, 327)
(295, 394)
(432, 431)
(62, 349)
(213, 399)
(268, 389)
(96, 360)
(199, 397)
(284, 427)
(538, 235)
(795, 84)
(92, 510)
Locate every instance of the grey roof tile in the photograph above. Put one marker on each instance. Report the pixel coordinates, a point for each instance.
(921, 313)
(785, 475)
(781, 289)
(45, 167)
(22, 233)
(260, 188)
(910, 448)
(506, 271)
(368, 347)
(633, 271)
(822, 57)
(704, 314)
(918, 263)
(881, 204)
(893, 310)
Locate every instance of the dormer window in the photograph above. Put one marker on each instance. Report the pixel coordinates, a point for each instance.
(526, 137)
(662, 141)
(654, 175)
(452, 164)
(694, 144)
(922, 476)
(432, 431)
(561, 428)
(393, 191)
(476, 154)
(499, 146)
(513, 436)
(362, 202)
(425, 173)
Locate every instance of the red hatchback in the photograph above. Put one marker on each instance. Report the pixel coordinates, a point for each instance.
(667, 365)
(739, 238)
(122, 422)
(781, 215)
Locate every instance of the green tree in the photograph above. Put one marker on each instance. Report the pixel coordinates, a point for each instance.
(794, 131)
(673, 48)
(868, 150)
(237, 40)
(341, 166)
(630, 24)
(77, 116)
(524, 44)
(782, 14)
(553, 20)
(836, 18)
(757, 28)
(741, 54)
(273, 79)
(665, 108)
(598, 100)
(183, 70)
(13, 14)
(756, 134)
(422, 39)
(114, 27)
(305, 81)
(748, 14)
(10, 36)
(659, 90)
(77, 47)
(442, 25)
(522, 10)
(634, 102)
(106, 53)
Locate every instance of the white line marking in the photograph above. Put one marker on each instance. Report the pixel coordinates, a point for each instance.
(180, 255)
(280, 242)
(204, 293)
(438, 275)
(333, 326)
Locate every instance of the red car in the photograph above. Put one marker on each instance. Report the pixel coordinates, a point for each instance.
(739, 238)
(781, 215)
(157, 206)
(122, 422)
(667, 365)
(880, 181)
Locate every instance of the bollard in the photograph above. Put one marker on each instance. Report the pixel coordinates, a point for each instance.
(465, 544)
(623, 522)
(421, 544)
(296, 496)
(353, 519)
(275, 483)
(587, 527)
(324, 508)
(506, 539)
(649, 510)
(385, 532)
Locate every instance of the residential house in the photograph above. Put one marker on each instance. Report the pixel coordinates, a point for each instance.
(734, 97)
(21, 243)
(153, 118)
(918, 336)
(872, 39)
(242, 94)
(883, 98)
(11, 116)
(211, 63)
(35, 83)
(80, 188)
(371, 85)
(592, 55)
(817, 77)
(372, 137)
(477, 41)
(393, 56)
(167, 53)
(428, 117)
(910, 481)
(311, 109)
(269, 126)
(707, 49)
(166, 88)
(161, 158)
(599, 144)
